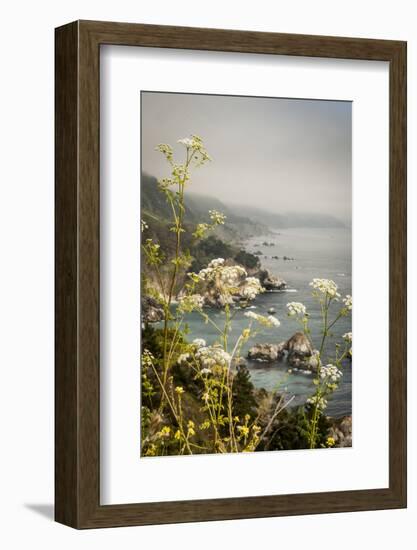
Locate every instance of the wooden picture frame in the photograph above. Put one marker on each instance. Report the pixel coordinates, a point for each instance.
(77, 382)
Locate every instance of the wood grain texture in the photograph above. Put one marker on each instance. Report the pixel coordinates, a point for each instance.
(78, 284)
(66, 238)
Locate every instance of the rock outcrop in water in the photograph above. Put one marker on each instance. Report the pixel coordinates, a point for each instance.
(269, 281)
(265, 353)
(298, 349)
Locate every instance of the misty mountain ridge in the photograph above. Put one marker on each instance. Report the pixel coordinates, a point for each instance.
(154, 206)
(289, 219)
(242, 221)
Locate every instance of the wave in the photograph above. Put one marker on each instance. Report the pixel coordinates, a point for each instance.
(283, 290)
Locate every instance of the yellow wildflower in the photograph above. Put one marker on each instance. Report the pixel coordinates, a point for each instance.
(246, 333)
(166, 430)
(244, 430)
(151, 450)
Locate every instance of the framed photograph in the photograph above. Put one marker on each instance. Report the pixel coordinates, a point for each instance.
(230, 274)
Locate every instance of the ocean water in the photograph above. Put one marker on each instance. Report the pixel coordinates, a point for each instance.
(324, 253)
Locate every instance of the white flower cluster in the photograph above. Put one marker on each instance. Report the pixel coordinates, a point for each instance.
(188, 142)
(331, 372)
(205, 371)
(252, 315)
(228, 280)
(183, 358)
(326, 286)
(231, 276)
(348, 302)
(199, 343)
(212, 356)
(187, 304)
(273, 321)
(212, 270)
(251, 288)
(147, 358)
(143, 225)
(193, 142)
(217, 262)
(321, 402)
(180, 172)
(195, 145)
(166, 150)
(296, 308)
(269, 321)
(347, 337)
(226, 274)
(216, 217)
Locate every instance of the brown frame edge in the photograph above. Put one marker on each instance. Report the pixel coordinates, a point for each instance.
(77, 379)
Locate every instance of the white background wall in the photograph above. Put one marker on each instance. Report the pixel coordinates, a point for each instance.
(26, 274)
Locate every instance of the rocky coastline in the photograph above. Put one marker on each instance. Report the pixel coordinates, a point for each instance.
(296, 351)
(152, 311)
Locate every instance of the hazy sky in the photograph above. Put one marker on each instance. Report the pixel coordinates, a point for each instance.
(276, 154)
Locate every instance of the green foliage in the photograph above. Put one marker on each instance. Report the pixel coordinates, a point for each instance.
(244, 401)
(291, 430)
(207, 249)
(153, 340)
(247, 259)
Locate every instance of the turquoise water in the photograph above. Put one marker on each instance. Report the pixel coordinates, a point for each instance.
(323, 253)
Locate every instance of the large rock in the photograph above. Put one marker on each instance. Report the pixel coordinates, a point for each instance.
(265, 353)
(300, 352)
(269, 281)
(152, 311)
(299, 349)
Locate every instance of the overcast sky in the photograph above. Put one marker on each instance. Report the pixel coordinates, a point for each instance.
(276, 154)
